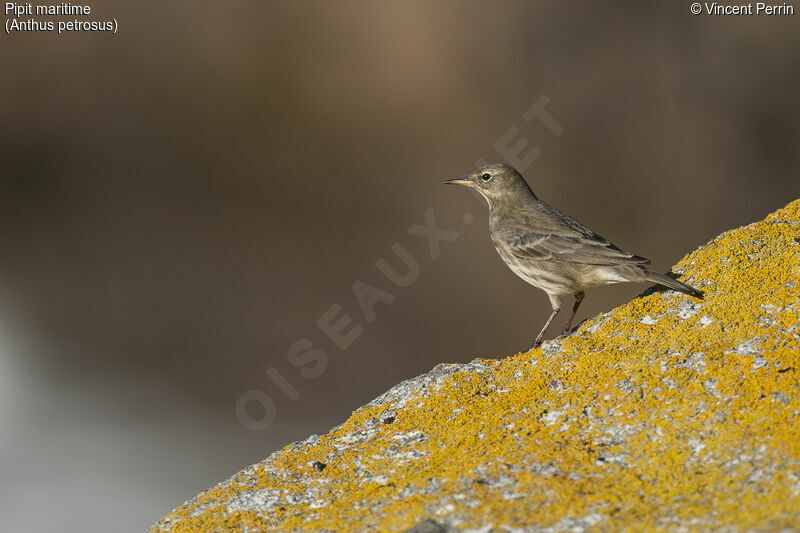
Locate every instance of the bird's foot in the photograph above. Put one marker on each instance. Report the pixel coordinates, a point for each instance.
(535, 344)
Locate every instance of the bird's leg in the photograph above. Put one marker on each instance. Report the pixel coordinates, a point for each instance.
(578, 300)
(540, 336)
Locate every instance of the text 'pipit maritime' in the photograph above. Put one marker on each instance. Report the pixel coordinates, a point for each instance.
(548, 248)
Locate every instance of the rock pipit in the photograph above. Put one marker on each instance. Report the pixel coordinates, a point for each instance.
(548, 248)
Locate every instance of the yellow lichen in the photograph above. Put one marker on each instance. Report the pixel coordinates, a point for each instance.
(690, 417)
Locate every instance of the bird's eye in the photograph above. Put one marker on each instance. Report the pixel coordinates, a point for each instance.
(486, 177)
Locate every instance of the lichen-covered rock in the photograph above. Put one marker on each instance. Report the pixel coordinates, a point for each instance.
(667, 412)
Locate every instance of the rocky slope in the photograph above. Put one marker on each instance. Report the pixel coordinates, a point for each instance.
(665, 412)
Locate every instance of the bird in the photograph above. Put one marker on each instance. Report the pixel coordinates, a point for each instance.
(551, 250)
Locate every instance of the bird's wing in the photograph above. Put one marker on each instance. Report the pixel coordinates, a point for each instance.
(588, 249)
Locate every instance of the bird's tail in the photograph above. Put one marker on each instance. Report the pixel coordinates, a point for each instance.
(667, 281)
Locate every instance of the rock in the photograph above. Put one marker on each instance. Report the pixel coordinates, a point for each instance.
(667, 412)
(429, 526)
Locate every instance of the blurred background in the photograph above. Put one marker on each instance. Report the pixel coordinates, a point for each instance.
(182, 201)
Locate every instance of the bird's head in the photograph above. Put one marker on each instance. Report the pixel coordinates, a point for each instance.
(498, 183)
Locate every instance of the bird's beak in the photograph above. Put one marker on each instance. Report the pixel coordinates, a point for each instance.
(460, 181)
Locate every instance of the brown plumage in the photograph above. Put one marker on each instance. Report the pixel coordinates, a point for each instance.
(548, 248)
